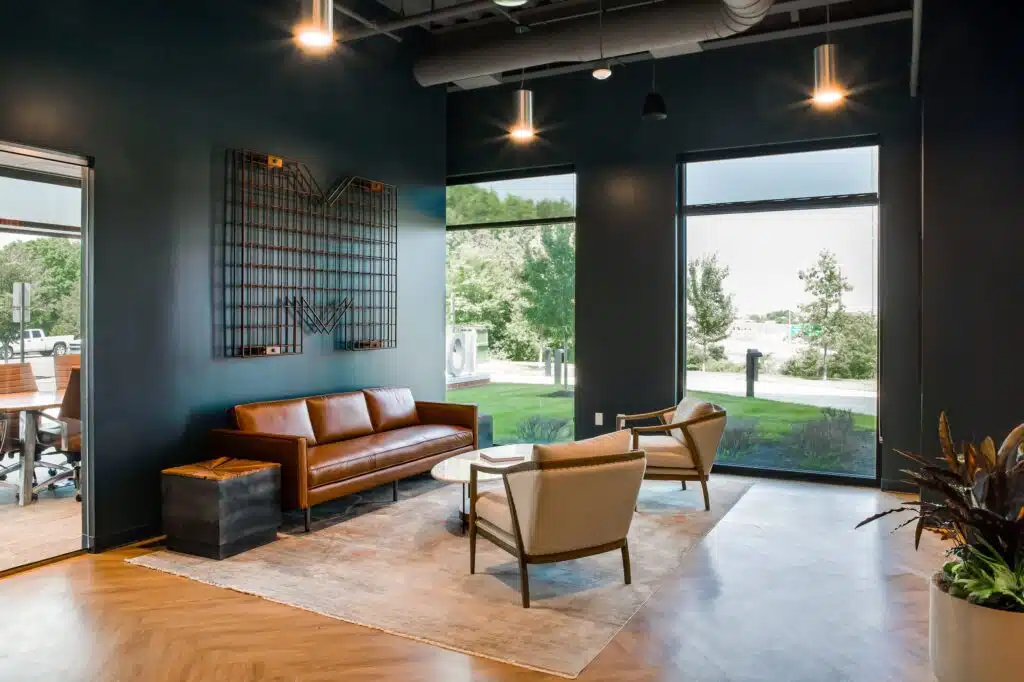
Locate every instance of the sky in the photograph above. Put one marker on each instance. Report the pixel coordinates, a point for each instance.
(765, 251)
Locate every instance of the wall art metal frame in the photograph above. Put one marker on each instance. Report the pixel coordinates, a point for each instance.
(298, 259)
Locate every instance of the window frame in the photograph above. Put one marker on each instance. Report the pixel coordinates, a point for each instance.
(683, 211)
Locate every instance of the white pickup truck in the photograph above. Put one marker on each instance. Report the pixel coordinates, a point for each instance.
(38, 342)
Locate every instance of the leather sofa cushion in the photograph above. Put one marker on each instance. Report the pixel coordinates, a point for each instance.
(339, 416)
(665, 451)
(338, 461)
(391, 408)
(281, 417)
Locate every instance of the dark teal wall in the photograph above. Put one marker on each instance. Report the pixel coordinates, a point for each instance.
(155, 92)
(973, 151)
(627, 246)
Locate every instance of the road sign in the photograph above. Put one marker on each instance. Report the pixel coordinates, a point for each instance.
(21, 302)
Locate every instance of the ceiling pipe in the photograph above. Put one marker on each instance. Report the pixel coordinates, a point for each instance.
(414, 20)
(643, 29)
(768, 37)
(370, 25)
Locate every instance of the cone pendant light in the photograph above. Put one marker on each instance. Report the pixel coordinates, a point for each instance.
(654, 103)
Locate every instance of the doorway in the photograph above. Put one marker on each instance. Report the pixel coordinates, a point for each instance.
(44, 209)
(780, 302)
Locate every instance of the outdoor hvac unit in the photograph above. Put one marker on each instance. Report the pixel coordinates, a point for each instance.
(462, 353)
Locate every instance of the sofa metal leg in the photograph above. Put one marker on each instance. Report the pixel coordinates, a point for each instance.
(625, 563)
(307, 510)
(524, 582)
(394, 491)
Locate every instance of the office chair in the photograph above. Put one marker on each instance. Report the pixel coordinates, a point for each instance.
(64, 436)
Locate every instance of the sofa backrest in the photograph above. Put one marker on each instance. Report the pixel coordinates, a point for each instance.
(329, 418)
(340, 416)
(283, 417)
(391, 408)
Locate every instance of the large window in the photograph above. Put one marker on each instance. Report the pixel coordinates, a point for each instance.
(510, 305)
(781, 306)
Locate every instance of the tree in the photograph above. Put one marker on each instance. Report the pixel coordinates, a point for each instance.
(549, 286)
(712, 310)
(824, 318)
(485, 269)
(53, 267)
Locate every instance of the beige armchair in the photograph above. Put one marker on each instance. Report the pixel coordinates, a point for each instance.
(571, 500)
(683, 447)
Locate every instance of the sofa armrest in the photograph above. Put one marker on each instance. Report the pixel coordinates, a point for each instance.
(453, 414)
(288, 451)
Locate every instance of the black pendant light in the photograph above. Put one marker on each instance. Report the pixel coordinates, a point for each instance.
(654, 103)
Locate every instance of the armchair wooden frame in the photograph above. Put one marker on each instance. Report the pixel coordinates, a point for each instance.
(518, 550)
(665, 474)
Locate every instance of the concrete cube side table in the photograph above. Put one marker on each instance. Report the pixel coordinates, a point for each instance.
(221, 507)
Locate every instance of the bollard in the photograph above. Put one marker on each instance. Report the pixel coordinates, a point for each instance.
(752, 355)
(547, 362)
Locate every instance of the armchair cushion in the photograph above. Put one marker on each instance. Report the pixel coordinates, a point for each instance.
(665, 451)
(614, 443)
(687, 409)
(492, 507)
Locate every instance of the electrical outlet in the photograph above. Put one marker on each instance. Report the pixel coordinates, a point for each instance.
(599, 419)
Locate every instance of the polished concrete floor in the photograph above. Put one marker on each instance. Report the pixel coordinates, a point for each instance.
(782, 589)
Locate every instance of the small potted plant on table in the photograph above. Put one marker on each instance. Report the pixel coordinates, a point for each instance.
(974, 497)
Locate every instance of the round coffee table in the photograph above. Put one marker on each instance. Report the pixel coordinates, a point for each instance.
(456, 469)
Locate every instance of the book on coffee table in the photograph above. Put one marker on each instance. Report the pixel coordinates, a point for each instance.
(501, 457)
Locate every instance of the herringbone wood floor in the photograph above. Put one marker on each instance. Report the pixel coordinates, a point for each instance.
(783, 589)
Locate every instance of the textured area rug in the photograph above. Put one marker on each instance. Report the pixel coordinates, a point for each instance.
(404, 568)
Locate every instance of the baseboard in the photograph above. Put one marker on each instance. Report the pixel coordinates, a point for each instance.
(101, 543)
(898, 485)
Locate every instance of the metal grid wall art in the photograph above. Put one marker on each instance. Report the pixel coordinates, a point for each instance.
(299, 259)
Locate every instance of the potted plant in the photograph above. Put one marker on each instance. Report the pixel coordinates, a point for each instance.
(974, 497)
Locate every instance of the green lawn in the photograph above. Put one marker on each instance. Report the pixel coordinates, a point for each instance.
(774, 418)
(509, 404)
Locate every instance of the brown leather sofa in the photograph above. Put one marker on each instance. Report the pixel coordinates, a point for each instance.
(329, 446)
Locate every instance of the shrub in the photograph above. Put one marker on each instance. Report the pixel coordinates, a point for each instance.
(740, 437)
(538, 428)
(826, 443)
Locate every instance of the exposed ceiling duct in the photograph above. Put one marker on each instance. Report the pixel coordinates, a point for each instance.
(657, 27)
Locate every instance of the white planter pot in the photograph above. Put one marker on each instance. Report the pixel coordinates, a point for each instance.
(969, 643)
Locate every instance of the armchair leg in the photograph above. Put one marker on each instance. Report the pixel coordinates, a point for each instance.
(684, 485)
(707, 500)
(625, 563)
(394, 491)
(472, 547)
(524, 581)
(308, 517)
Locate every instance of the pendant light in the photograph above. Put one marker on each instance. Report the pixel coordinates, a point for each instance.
(828, 92)
(522, 129)
(315, 30)
(604, 71)
(510, 3)
(654, 103)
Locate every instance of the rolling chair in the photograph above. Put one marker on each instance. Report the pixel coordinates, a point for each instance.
(64, 436)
